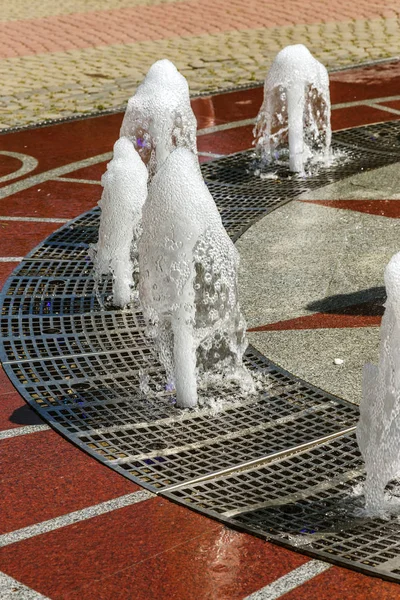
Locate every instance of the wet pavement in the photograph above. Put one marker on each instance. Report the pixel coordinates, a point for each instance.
(62, 534)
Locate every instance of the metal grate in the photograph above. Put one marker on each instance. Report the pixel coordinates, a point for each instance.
(310, 500)
(278, 463)
(242, 196)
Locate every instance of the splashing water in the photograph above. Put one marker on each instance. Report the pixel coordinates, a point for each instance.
(159, 117)
(294, 119)
(124, 193)
(378, 430)
(188, 280)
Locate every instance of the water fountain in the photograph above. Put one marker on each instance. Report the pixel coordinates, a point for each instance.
(187, 263)
(283, 463)
(124, 193)
(159, 117)
(378, 430)
(294, 119)
(188, 279)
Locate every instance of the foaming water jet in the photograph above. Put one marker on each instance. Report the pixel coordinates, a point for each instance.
(293, 125)
(378, 430)
(188, 280)
(159, 117)
(124, 193)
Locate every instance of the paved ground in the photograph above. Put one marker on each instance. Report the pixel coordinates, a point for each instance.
(330, 257)
(72, 528)
(59, 59)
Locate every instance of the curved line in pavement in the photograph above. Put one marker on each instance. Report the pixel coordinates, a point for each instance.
(28, 164)
(24, 184)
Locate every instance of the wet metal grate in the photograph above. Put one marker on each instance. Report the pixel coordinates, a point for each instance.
(242, 197)
(282, 463)
(310, 500)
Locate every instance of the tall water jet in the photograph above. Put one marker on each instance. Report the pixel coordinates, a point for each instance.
(124, 193)
(188, 279)
(159, 117)
(294, 120)
(378, 430)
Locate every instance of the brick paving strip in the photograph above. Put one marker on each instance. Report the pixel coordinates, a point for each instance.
(62, 60)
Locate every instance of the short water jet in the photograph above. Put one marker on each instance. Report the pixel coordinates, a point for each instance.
(159, 117)
(378, 430)
(188, 280)
(124, 193)
(293, 125)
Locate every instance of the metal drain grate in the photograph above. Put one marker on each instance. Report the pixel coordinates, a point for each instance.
(310, 500)
(281, 463)
(242, 197)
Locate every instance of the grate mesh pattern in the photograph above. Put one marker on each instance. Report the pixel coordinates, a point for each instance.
(79, 362)
(310, 500)
(242, 197)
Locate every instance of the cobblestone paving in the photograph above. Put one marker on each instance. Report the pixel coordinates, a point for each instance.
(61, 59)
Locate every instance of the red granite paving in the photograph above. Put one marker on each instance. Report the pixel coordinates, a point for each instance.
(67, 559)
(355, 116)
(93, 172)
(60, 199)
(393, 103)
(382, 208)
(8, 165)
(322, 321)
(150, 550)
(14, 412)
(227, 107)
(17, 238)
(45, 477)
(228, 141)
(343, 584)
(221, 564)
(367, 83)
(57, 145)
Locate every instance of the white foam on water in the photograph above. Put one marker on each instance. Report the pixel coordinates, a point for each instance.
(378, 430)
(159, 117)
(124, 193)
(188, 281)
(293, 125)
